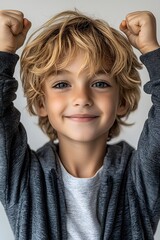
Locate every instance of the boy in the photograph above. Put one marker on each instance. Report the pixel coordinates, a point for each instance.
(80, 77)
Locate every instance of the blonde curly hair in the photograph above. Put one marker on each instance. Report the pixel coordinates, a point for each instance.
(57, 42)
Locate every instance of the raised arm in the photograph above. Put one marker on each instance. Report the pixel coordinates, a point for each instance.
(13, 143)
(140, 28)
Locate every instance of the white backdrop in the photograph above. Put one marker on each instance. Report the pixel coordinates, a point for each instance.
(112, 11)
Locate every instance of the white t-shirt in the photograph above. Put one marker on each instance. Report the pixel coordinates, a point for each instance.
(81, 200)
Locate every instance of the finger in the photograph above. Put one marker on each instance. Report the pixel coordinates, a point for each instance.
(24, 23)
(130, 27)
(133, 25)
(123, 27)
(13, 20)
(16, 25)
(12, 12)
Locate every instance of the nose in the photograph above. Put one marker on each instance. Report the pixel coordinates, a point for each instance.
(82, 98)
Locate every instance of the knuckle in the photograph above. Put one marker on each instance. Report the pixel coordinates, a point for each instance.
(2, 13)
(150, 15)
(20, 13)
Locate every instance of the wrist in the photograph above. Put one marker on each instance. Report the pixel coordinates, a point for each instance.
(7, 50)
(149, 48)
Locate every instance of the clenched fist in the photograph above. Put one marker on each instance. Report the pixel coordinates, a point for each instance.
(13, 30)
(140, 28)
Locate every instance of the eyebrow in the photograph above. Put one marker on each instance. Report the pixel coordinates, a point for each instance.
(65, 71)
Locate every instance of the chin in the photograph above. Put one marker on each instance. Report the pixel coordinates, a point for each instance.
(87, 139)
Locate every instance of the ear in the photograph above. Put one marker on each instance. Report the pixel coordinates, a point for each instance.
(41, 107)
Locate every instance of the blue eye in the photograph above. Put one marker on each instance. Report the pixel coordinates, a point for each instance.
(101, 84)
(61, 85)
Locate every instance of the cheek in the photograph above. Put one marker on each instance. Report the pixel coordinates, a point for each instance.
(111, 110)
(54, 109)
(110, 103)
(55, 106)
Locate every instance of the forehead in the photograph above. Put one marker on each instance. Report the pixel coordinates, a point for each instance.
(82, 63)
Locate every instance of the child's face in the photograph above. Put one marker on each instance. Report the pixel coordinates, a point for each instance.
(80, 108)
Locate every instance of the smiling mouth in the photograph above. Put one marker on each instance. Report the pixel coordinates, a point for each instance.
(82, 117)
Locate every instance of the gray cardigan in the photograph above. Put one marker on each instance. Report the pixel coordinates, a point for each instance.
(31, 186)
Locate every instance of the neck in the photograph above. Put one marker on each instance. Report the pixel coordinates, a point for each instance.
(82, 160)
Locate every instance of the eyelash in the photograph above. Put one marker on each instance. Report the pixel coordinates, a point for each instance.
(100, 84)
(57, 85)
(63, 84)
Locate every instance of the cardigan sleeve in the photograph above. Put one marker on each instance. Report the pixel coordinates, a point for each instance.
(146, 159)
(13, 139)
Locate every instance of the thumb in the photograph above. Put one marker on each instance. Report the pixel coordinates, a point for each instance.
(128, 31)
(123, 27)
(26, 26)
